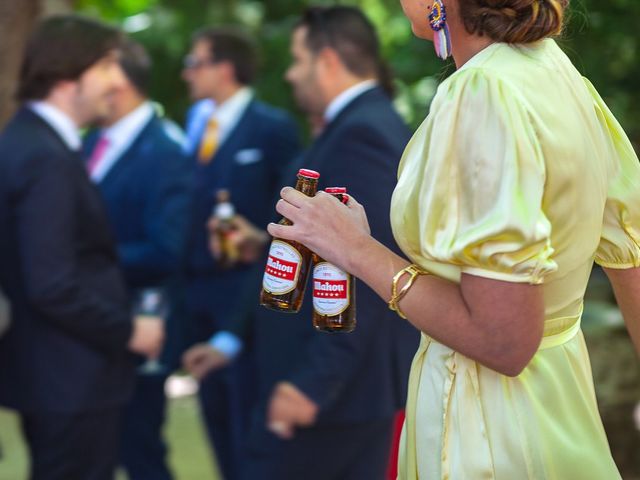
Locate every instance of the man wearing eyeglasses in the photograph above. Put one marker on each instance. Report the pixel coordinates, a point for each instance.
(326, 403)
(244, 148)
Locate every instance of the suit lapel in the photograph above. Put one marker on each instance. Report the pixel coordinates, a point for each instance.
(28, 116)
(219, 170)
(93, 201)
(236, 136)
(314, 157)
(123, 164)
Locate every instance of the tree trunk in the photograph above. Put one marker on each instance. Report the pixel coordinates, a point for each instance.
(16, 21)
(17, 18)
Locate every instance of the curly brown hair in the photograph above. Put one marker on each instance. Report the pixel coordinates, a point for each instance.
(513, 21)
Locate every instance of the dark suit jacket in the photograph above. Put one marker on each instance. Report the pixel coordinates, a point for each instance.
(147, 198)
(66, 348)
(360, 376)
(146, 194)
(250, 164)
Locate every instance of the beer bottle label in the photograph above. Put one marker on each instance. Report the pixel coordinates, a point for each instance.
(283, 268)
(330, 289)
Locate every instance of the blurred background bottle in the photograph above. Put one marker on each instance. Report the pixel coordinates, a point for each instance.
(223, 212)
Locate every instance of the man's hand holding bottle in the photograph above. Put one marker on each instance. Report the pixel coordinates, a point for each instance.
(248, 240)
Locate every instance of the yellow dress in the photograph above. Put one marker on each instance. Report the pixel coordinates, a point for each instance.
(520, 173)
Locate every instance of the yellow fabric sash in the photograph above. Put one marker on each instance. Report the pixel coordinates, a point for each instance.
(557, 331)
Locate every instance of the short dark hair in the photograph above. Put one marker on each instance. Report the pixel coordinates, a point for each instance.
(352, 35)
(233, 46)
(136, 65)
(62, 48)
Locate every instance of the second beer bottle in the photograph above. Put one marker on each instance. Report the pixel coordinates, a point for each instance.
(334, 290)
(288, 264)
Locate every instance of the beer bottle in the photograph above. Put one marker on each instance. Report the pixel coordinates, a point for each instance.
(334, 290)
(288, 264)
(224, 211)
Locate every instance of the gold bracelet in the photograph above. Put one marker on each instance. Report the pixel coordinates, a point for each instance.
(413, 271)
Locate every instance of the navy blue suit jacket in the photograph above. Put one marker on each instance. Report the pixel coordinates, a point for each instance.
(250, 164)
(360, 376)
(146, 194)
(66, 348)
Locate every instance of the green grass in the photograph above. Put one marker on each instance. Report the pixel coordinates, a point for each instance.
(190, 456)
(13, 463)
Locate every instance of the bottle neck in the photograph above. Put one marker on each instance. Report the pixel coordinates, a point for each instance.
(308, 186)
(224, 211)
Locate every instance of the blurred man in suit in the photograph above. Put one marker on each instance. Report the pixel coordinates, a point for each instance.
(327, 402)
(66, 365)
(244, 148)
(137, 162)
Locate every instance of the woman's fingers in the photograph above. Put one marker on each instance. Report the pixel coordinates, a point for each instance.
(294, 197)
(357, 211)
(281, 231)
(351, 202)
(288, 210)
(314, 218)
(293, 204)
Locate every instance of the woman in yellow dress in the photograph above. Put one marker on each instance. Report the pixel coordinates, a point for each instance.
(519, 178)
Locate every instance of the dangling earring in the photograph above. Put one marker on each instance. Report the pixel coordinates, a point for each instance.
(438, 23)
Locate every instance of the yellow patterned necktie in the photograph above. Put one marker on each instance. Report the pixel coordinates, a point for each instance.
(209, 142)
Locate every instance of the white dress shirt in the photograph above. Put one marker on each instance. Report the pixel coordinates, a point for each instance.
(197, 118)
(120, 136)
(228, 113)
(59, 121)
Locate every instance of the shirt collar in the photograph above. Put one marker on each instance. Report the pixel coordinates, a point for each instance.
(228, 113)
(129, 126)
(345, 98)
(61, 123)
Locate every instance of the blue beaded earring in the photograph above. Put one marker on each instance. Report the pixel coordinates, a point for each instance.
(438, 23)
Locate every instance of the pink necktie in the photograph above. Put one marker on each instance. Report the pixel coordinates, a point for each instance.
(98, 154)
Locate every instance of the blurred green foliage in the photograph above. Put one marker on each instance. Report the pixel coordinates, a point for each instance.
(601, 38)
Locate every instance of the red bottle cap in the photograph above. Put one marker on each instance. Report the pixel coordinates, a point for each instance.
(336, 190)
(308, 173)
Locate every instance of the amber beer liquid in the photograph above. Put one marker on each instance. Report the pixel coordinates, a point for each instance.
(334, 290)
(289, 263)
(224, 211)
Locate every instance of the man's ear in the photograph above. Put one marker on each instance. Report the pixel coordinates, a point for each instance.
(229, 71)
(65, 87)
(329, 60)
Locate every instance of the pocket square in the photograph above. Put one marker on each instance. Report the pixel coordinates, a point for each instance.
(248, 156)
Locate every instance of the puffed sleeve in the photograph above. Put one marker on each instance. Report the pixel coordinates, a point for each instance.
(482, 207)
(620, 239)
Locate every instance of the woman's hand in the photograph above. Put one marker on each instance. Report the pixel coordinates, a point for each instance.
(322, 223)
